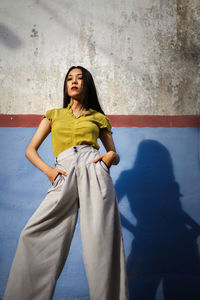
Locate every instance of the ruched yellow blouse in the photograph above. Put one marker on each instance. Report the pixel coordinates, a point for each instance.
(68, 130)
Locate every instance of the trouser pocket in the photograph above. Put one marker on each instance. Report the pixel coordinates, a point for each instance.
(58, 182)
(104, 166)
(56, 179)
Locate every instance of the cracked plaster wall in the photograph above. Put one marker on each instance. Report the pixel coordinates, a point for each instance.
(144, 55)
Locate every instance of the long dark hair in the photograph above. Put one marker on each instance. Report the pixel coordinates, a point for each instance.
(90, 98)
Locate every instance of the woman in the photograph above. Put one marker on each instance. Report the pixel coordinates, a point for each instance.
(80, 179)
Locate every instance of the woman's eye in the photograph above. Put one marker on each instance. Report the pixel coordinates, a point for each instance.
(71, 78)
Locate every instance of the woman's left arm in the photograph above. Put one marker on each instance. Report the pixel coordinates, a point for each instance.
(110, 157)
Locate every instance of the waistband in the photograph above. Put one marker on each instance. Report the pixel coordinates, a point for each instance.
(74, 149)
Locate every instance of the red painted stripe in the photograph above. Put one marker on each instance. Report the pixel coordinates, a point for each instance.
(116, 120)
(154, 121)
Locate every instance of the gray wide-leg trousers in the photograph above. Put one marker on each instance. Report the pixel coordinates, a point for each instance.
(44, 243)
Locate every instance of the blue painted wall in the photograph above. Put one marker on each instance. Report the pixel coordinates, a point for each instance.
(158, 188)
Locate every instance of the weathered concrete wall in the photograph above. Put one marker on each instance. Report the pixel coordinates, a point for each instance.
(144, 54)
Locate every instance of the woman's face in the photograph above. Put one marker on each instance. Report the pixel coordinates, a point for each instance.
(75, 83)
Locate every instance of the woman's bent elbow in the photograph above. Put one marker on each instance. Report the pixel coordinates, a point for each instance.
(28, 152)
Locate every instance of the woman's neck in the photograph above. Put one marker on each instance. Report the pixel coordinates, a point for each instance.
(76, 105)
(78, 108)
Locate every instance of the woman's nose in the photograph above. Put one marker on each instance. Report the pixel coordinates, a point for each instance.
(74, 80)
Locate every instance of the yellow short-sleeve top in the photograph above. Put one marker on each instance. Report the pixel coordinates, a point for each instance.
(68, 130)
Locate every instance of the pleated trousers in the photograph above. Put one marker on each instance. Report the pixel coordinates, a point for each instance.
(44, 242)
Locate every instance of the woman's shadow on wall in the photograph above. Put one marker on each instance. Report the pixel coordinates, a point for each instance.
(165, 237)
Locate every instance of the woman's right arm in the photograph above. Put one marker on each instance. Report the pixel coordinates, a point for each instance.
(42, 132)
